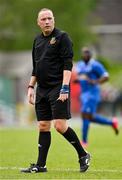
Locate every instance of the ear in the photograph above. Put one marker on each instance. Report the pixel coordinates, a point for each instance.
(54, 21)
(37, 22)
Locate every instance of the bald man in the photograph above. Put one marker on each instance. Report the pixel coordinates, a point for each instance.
(52, 64)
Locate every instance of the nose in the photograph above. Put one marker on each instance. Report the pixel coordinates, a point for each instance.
(47, 21)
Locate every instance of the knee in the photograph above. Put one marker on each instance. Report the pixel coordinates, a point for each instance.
(60, 126)
(43, 126)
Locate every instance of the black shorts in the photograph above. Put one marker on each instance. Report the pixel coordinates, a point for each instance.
(47, 106)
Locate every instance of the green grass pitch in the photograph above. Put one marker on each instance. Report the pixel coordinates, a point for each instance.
(18, 148)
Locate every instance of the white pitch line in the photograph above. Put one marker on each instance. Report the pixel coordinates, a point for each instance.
(67, 169)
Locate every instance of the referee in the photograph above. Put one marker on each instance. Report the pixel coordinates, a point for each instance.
(52, 64)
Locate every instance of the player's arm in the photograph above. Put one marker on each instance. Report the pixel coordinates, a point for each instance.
(80, 77)
(103, 75)
(31, 94)
(101, 80)
(66, 54)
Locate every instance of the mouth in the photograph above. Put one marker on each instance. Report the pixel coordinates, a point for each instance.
(47, 26)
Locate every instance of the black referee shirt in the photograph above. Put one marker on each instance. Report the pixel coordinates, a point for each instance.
(51, 55)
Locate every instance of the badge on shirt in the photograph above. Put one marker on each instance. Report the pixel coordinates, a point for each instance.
(53, 40)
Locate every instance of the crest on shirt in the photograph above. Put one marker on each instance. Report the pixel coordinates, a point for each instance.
(53, 40)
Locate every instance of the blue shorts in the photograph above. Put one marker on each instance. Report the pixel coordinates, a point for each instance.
(89, 103)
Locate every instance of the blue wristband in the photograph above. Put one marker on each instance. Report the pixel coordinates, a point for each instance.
(64, 89)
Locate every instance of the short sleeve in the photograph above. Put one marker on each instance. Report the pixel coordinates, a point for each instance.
(100, 70)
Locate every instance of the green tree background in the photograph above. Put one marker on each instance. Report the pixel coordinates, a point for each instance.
(18, 21)
(18, 26)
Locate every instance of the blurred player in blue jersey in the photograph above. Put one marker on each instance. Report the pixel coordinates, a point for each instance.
(91, 74)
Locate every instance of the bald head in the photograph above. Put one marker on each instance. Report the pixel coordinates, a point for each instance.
(86, 54)
(43, 10)
(45, 21)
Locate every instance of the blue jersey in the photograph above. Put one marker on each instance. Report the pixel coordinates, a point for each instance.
(93, 70)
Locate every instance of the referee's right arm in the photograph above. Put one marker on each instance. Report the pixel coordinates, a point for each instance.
(31, 94)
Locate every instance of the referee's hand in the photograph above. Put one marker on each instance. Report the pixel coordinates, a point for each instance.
(63, 97)
(31, 96)
(64, 93)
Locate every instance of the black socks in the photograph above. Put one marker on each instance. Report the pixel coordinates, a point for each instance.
(45, 141)
(43, 147)
(71, 136)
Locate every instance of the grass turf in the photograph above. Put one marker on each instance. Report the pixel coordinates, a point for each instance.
(18, 147)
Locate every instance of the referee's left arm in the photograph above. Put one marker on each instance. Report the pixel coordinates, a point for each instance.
(66, 54)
